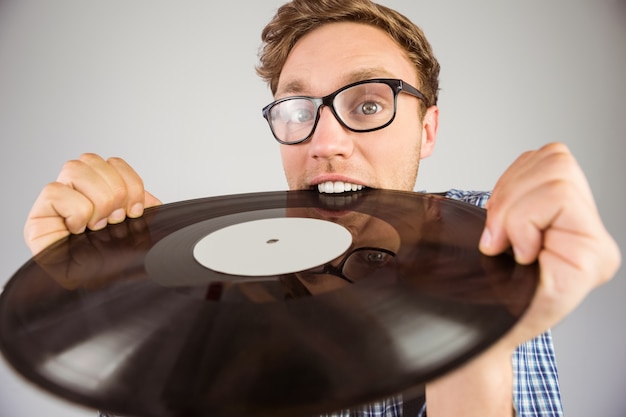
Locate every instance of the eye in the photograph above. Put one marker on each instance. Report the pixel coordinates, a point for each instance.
(297, 111)
(366, 261)
(377, 259)
(369, 107)
(301, 115)
(372, 258)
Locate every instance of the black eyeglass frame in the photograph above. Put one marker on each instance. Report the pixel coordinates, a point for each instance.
(397, 86)
(329, 269)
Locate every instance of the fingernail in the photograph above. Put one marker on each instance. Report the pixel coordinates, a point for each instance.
(100, 224)
(519, 255)
(117, 216)
(136, 210)
(485, 238)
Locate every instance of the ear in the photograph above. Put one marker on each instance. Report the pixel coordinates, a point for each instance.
(430, 125)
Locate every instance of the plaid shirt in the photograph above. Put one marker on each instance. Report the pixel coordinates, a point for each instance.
(535, 381)
(535, 386)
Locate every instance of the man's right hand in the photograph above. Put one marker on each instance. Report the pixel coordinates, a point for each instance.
(90, 192)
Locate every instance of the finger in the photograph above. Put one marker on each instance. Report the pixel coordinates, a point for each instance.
(89, 193)
(555, 207)
(136, 197)
(572, 264)
(150, 200)
(552, 164)
(91, 176)
(58, 211)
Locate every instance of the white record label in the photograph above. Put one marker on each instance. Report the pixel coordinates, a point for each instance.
(272, 246)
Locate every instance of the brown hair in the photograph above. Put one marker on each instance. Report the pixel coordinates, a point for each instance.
(298, 17)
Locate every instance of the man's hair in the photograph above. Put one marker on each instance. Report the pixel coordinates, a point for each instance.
(295, 19)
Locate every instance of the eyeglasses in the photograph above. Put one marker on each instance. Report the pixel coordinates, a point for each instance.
(364, 106)
(357, 264)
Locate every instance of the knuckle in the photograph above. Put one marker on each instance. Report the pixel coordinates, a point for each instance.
(135, 189)
(613, 261)
(72, 166)
(118, 191)
(89, 157)
(50, 193)
(104, 203)
(558, 147)
(116, 160)
(51, 189)
(560, 159)
(563, 190)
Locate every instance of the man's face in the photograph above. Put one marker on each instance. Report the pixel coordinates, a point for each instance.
(325, 60)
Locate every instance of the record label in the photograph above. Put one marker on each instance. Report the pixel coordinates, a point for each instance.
(272, 246)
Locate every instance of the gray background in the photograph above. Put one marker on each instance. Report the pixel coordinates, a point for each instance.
(170, 86)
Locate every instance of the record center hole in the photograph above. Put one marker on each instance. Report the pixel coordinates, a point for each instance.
(272, 241)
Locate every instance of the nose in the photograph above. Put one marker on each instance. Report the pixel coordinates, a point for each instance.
(330, 139)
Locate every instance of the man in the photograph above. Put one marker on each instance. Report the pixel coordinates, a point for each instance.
(378, 118)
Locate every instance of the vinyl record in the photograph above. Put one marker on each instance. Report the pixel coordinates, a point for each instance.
(357, 297)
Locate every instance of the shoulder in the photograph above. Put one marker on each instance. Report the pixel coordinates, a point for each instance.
(477, 198)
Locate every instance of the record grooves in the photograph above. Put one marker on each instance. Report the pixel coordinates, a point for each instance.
(127, 321)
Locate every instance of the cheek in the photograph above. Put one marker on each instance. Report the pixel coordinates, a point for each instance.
(292, 159)
(398, 157)
(289, 155)
(401, 173)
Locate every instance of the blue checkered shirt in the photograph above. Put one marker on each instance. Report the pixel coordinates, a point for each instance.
(535, 381)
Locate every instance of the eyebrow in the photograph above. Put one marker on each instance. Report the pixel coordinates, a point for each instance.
(366, 74)
(295, 87)
(299, 86)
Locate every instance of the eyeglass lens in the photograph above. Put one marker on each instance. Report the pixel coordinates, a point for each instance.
(363, 262)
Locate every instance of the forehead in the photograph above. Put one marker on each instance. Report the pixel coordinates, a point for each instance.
(337, 54)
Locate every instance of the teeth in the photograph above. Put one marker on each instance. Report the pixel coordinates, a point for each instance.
(335, 187)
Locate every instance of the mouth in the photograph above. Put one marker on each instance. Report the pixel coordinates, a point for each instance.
(338, 187)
